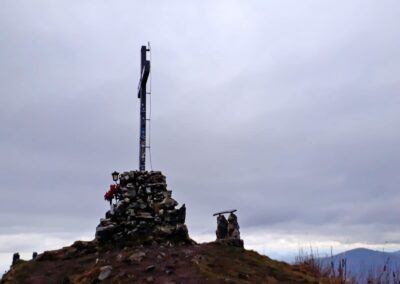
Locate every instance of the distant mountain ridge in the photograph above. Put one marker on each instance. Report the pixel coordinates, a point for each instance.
(362, 262)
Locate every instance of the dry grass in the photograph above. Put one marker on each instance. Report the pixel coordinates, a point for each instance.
(310, 262)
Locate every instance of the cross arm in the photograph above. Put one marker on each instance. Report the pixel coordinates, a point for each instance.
(224, 212)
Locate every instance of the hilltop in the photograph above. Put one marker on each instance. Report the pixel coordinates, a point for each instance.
(83, 262)
(143, 239)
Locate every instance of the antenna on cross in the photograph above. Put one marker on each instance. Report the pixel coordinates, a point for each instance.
(142, 93)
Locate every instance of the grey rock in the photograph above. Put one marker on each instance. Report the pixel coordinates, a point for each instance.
(130, 194)
(150, 268)
(105, 272)
(181, 214)
(235, 234)
(105, 228)
(137, 256)
(105, 222)
(222, 227)
(233, 227)
(106, 232)
(134, 205)
(16, 257)
(132, 232)
(168, 203)
(167, 230)
(169, 269)
(144, 215)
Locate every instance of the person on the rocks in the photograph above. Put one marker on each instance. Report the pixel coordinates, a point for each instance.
(222, 227)
(233, 227)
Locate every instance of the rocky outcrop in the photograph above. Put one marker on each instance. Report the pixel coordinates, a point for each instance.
(144, 212)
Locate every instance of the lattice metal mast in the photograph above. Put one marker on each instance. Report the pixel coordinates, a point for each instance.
(144, 75)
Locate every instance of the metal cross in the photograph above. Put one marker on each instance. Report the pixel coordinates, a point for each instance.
(144, 75)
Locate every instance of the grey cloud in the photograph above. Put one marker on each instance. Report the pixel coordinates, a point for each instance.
(287, 112)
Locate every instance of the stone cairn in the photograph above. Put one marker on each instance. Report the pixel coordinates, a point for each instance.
(228, 230)
(144, 212)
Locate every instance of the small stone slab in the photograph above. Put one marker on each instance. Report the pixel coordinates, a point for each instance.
(105, 272)
(150, 268)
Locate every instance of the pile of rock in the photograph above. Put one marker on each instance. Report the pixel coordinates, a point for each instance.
(144, 212)
(228, 230)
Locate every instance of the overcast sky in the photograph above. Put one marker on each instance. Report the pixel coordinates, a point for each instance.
(288, 111)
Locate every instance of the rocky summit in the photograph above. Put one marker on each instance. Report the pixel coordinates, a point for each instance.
(143, 239)
(144, 212)
(90, 262)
